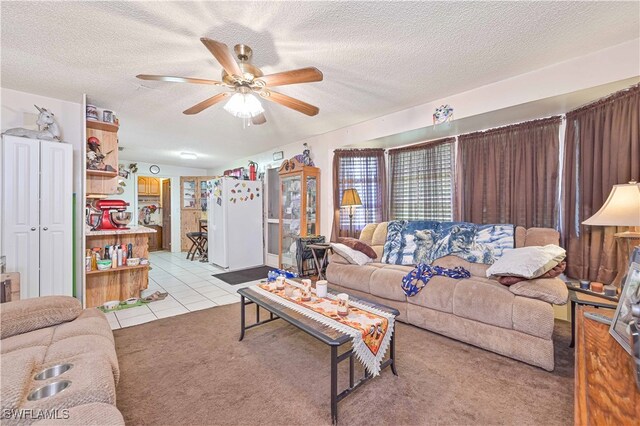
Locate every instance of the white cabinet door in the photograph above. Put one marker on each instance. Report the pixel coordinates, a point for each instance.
(56, 202)
(20, 207)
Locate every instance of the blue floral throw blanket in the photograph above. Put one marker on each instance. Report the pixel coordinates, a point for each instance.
(417, 279)
(422, 241)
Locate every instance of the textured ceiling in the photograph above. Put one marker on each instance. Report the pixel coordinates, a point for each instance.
(377, 58)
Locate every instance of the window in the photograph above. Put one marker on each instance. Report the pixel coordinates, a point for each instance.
(363, 170)
(422, 178)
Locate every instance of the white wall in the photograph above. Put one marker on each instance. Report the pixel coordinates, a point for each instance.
(171, 172)
(18, 111)
(613, 64)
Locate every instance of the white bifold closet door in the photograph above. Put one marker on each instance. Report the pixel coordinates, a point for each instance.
(37, 198)
(56, 202)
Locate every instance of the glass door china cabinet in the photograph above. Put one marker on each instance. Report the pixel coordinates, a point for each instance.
(299, 208)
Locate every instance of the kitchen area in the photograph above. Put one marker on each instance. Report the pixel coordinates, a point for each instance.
(154, 210)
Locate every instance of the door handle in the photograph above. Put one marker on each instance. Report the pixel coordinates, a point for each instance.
(33, 228)
(45, 228)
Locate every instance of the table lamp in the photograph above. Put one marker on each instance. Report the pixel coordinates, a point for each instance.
(622, 208)
(350, 199)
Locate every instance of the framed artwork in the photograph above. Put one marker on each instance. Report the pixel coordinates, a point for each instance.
(620, 327)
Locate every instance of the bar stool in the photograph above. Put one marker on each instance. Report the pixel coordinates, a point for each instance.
(198, 244)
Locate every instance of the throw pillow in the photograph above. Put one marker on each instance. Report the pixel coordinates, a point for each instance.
(352, 256)
(554, 272)
(359, 246)
(527, 262)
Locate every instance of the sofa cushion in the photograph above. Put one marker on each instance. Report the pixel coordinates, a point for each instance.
(386, 281)
(484, 300)
(437, 294)
(476, 269)
(90, 322)
(41, 337)
(27, 315)
(350, 276)
(18, 368)
(552, 290)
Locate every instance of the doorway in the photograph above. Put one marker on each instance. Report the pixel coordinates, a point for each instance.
(152, 208)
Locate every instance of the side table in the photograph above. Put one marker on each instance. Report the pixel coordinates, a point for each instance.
(584, 299)
(320, 264)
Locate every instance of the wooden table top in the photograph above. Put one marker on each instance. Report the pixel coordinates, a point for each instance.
(605, 387)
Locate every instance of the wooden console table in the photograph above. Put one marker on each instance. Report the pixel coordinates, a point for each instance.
(605, 387)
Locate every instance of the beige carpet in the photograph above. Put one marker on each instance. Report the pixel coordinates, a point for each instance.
(191, 369)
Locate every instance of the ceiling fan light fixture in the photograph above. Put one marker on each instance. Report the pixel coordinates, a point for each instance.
(244, 105)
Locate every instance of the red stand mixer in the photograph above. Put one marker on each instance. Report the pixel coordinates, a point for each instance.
(113, 215)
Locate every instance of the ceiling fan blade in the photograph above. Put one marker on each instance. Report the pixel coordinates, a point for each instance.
(303, 75)
(258, 120)
(290, 102)
(206, 103)
(221, 52)
(173, 79)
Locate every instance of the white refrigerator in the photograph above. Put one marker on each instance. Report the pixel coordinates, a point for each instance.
(235, 223)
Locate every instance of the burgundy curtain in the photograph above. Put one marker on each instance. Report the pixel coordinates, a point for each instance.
(510, 174)
(602, 148)
(364, 170)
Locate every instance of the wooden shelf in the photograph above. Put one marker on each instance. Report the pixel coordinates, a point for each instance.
(119, 269)
(102, 125)
(98, 196)
(103, 173)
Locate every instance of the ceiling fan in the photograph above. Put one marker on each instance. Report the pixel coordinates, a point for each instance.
(245, 79)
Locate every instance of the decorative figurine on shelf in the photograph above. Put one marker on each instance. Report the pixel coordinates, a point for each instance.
(305, 157)
(48, 129)
(443, 114)
(95, 157)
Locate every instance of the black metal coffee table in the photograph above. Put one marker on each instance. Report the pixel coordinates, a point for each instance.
(333, 338)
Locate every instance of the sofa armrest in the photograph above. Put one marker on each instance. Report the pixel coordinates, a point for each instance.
(23, 316)
(336, 258)
(552, 290)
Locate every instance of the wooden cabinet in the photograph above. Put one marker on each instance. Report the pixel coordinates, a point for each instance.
(148, 186)
(299, 208)
(155, 240)
(605, 388)
(193, 206)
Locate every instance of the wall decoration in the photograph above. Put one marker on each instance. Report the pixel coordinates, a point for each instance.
(48, 129)
(443, 114)
(154, 169)
(278, 155)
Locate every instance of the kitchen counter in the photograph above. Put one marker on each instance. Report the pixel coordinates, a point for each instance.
(133, 229)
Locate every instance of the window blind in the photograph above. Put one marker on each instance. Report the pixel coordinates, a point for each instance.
(365, 171)
(422, 179)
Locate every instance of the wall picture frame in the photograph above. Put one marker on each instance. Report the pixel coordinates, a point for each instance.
(620, 327)
(278, 155)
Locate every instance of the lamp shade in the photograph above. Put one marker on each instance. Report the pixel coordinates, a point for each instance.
(350, 197)
(622, 208)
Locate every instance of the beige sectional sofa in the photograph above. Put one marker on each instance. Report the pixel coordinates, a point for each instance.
(514, 321)
(48, 331)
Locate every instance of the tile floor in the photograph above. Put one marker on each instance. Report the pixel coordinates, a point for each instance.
(190, 285)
